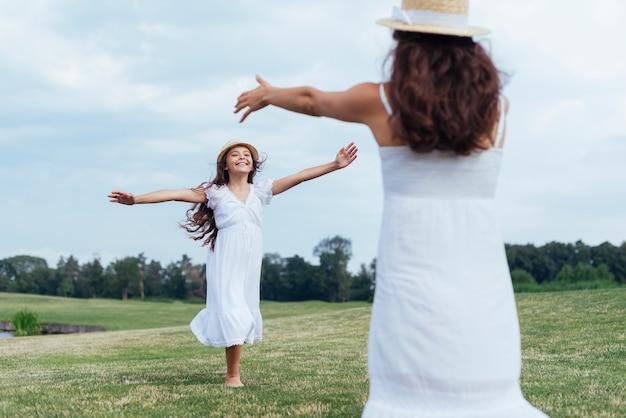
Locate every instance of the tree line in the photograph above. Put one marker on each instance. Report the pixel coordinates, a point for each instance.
(558, 266)
(553, 266)
(282, 279)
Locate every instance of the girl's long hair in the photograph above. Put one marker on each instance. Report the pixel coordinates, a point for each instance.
(444, 92)
(200, 222)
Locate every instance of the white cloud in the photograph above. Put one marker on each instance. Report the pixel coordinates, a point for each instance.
(140, 95)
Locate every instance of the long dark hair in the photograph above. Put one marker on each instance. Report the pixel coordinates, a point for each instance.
(443, 91)
(200, 222)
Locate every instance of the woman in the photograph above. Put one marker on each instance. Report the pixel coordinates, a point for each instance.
(227, 216)
(444, 336)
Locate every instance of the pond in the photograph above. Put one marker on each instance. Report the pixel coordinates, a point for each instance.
(6, 329)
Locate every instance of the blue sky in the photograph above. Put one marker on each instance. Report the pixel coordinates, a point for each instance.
(139, 95)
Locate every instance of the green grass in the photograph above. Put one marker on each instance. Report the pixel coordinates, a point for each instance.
(114, 315)
(312, 361)
(574, 349)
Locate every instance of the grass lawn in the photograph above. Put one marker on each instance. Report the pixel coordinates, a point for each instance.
(312, 361)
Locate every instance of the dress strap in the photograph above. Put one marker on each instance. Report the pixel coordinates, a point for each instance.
(501, 131)
(383, 98)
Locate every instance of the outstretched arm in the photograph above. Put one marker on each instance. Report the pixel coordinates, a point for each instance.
(357, 104)
(181, 195)
(344, 158)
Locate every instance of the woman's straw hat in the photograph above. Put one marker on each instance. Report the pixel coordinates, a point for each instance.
(443, 17)
(233, 143)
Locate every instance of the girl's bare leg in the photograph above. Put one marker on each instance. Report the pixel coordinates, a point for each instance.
(233, 353)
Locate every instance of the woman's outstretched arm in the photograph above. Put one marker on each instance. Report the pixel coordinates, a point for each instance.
(344, 158)
(357, 104)
(180, 195)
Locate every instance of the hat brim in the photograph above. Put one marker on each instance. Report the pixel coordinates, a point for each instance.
(253, 150)
(436, 29)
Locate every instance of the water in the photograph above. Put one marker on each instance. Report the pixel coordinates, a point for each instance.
(5, 335)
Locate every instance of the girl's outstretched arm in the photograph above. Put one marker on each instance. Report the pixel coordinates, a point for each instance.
(344, 158)
(181, 195)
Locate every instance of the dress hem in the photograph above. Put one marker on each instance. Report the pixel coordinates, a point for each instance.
(224, 344)
(521, 408)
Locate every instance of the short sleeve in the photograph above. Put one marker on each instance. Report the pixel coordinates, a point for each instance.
(214, 194)
(264, 191)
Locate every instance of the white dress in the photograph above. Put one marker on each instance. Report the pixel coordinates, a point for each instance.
(444, 336)
(232, 315)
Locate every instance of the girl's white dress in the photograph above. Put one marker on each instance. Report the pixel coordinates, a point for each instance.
(444, 336)
(232, 315)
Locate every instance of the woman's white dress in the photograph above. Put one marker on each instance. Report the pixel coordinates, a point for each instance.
(444, 336)
(233, 270)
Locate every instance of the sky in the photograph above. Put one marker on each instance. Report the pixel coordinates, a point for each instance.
(138, 95)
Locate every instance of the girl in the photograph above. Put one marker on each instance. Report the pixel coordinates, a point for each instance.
(444, 337)
(227, 215)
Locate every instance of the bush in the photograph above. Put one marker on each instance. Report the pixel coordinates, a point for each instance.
(584, 273)
(519, 276)
(523, 281)
(26, 322)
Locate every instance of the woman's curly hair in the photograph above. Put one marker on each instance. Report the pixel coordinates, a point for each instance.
(444, 92)
(200, 222)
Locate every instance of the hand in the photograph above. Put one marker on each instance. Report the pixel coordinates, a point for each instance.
(252, 99)
(124, 198)
(346, 155)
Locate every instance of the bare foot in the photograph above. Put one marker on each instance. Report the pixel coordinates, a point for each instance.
(234, 382)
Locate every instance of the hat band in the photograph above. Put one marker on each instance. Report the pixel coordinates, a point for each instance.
(417, 17)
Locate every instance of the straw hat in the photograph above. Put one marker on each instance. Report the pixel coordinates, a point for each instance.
(443, 17)
(233, 143)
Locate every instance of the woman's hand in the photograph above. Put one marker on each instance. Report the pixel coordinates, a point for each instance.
(253, 99)
(346, 155)
(124, 198)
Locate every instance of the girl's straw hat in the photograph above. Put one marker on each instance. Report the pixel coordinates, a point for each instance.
(443, 17)
(233, 143)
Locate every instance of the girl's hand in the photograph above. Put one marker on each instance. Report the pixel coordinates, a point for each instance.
(124, 198)
(346, 155)
(252, 99)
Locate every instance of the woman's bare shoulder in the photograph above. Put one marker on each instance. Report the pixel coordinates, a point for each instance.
(367, 88)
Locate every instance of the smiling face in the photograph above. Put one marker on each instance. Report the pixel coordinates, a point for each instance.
(239, 160)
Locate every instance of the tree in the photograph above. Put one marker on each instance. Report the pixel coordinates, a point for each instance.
(603, 274)
(614, 257)
(523, 257)
(91, 280)
(196, 281)
(519, 276)
(300, 280)
(142, 268)
(15, 273)
(271, 270)
(153, 278)
(523, 281)
(24, 263)
(582, 253)
(7, 276)
(41, 278)
(334, 254)
(584, 273)
(125, 273)
(175, 278)
(67, 275)
(553, 256)
(363, 283)
(542, 263)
